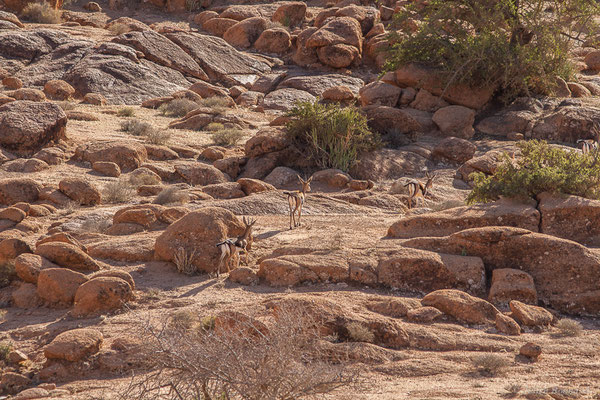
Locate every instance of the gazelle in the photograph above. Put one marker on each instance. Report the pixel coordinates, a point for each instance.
(231, 248)
(296, 200)
(417, 189)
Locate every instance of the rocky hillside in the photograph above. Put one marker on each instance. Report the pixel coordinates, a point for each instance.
(136, 136)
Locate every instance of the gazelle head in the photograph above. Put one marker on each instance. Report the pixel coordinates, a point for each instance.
(305, 184)
(430, 179)
(249, 223)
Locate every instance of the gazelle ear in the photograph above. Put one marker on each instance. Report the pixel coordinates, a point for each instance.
(309, 179)
(300, 179)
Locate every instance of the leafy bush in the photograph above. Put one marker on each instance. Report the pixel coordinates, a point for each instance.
(126, 112)
(569, 327)
(177, 107)
(41, 13)
(489, 364)
(332, 136)
(227, 137)
(517, 46)
(542, 168)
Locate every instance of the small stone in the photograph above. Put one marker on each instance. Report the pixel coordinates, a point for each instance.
(16, 357)
(531, 351)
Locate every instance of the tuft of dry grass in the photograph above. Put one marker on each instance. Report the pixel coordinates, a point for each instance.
(184, 261)
(569, 328)
(126, 112)
(171, 195)
(156, 136)
(7, 273)
(120, 191)
(143, 177)
(360, 333)
(5, 349)
(178, 107)
(214, 127)
(183, 319)
(41, 13)
(216, 103)
(513, 390)
(119, 29)
(97, 225)
(489, 364)
(227, 137)
(67, 105)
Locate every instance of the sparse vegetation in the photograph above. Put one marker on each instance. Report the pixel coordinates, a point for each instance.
(151, 134)
(182, 319)
(7, 273)
(184, 261)
(41, 13)
(227, 137)
(192, 5)
(157, 136)
(143, 177)
(360, 333)
(98, 225)
(216, 103)
(489, 364)
(119, 29)
(126, 112)
(5, 349)
(519, 47)
(214, 127)
(513, 390)
(208, 323)
(238, 361)
(171, 195)
(67, 105)
(333, 136)
(119, 191)
(178, 107)
(542, 168)
(569, 328)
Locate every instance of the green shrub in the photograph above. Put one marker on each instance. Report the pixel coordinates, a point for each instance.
(227, 137)
(41, 13)
(214, 127)
(177, 107)
(332, 136)
(542, 168)
(517, 46)
(126, 112)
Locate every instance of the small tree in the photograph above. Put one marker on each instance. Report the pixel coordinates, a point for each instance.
(517, 46)
(331, 135)
(541, 168)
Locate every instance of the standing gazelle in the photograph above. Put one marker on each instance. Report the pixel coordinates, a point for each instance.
(587, 145)
(230, 248)
(296, 200)
(417, 189)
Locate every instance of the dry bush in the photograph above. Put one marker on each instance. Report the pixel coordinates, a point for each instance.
(227, 137)
(183, 319)
(67, 105)
(489, 364)
(41, 13)
(159, 137)
(172, 195)
(569, 327)
(193, 5)
(214, 127)
(98, 225)
(7, 273)
(119, 29)
(136, 127)
(360, 333)
(178, 107)
(513, 390)
(143, 177)
(126, 112)
(5, 349)
(217, 104)
(184, 261)
(238, 361)
(120, 191)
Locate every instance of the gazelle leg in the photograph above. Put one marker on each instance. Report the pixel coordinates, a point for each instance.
(299, 215)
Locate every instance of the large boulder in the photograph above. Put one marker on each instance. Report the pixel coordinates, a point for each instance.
(197, 173)
(380, 93)
(546, 257)
(74, 345)
(285, 99)
(11, 248)
(101, 294)
(80, 190)
(462, 306)
(442, 223)
(57, 286)
(290, 13)
(455, 121)
(292, 270)
(127, 155)
(454, 149)
(27, 126)
(319, 83)
(15, 190)
(385, 120)
(512, 284)
(159, 49)
(67, 255)
(570, 217)
(28, 267)
(427, 271)
(274, 40)
(246, 32)
(529, 315)
(342, 30)
(197, 233)
(416, 76)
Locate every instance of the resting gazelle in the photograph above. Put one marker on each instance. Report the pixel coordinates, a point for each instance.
(296, 200)
(587, 145)
(230, 248)
(418, 190)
